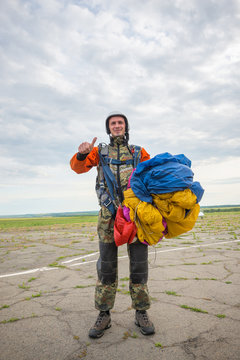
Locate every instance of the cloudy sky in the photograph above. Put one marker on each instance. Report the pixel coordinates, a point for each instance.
(172, 66)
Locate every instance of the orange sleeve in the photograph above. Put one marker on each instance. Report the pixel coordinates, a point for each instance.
(144, 155)
(82, 166)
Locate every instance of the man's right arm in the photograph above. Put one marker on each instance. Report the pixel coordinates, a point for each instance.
(86, 157)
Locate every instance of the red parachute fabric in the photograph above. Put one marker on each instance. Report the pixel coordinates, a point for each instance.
(124, 231)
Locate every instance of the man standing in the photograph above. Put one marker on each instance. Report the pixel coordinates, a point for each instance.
(120, 158)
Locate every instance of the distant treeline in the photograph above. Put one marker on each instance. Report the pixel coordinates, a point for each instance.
(205, 209)
(219, 206)
(72, 214)
(222, 209)
(47, 215)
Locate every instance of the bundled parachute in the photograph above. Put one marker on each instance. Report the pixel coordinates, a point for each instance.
(162, 200)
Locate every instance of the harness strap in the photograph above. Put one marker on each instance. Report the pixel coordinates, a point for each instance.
(106, 173)
(109, 177)
(136, 156)
(119, 162)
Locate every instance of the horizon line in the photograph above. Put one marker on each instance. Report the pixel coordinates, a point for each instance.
(53, 213)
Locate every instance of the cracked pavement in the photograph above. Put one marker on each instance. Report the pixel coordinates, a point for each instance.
(47, 279)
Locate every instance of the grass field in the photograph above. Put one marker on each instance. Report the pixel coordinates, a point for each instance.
(42, 221)
(16, 223)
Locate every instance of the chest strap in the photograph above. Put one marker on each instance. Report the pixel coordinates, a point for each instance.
(119, 162)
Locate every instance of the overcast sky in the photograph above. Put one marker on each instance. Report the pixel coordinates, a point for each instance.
(172, 66)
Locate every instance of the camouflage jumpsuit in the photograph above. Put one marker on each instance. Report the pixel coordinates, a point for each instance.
(106, 286)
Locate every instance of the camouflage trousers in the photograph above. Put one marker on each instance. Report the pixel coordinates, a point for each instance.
(107, 268)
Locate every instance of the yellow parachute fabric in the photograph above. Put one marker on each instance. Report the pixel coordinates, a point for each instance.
(147, 218)
(172, 206)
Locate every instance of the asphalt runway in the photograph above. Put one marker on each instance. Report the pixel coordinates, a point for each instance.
(47, 280)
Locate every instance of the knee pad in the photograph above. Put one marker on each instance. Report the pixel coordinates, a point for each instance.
(138, 255)
(107, 263)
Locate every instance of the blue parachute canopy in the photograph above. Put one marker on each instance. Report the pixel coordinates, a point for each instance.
(162, 174)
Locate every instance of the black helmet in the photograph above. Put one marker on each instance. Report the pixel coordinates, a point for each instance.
(117, 113)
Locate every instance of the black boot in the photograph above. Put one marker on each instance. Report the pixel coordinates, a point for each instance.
(142, 320)
(102, 323)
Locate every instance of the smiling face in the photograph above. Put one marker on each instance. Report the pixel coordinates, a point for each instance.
(117, 126)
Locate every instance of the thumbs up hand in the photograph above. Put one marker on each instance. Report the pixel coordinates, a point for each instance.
(86, 147)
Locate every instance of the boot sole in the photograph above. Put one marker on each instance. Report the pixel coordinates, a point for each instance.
(142, 331)
(97, 336)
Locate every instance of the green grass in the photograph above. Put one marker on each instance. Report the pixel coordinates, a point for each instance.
(128, 334)
(197, 278)
(36, 295)
(193, 309)
(31, 222)
(23, 286)
(9, 321)
(124, 292)
(180, 278)
(189, 263)
(173, 293)
(4, 307)
(187, 243)
(55, 264)
(221, 316)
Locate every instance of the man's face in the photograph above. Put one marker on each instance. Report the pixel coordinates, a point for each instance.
(117, 126)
